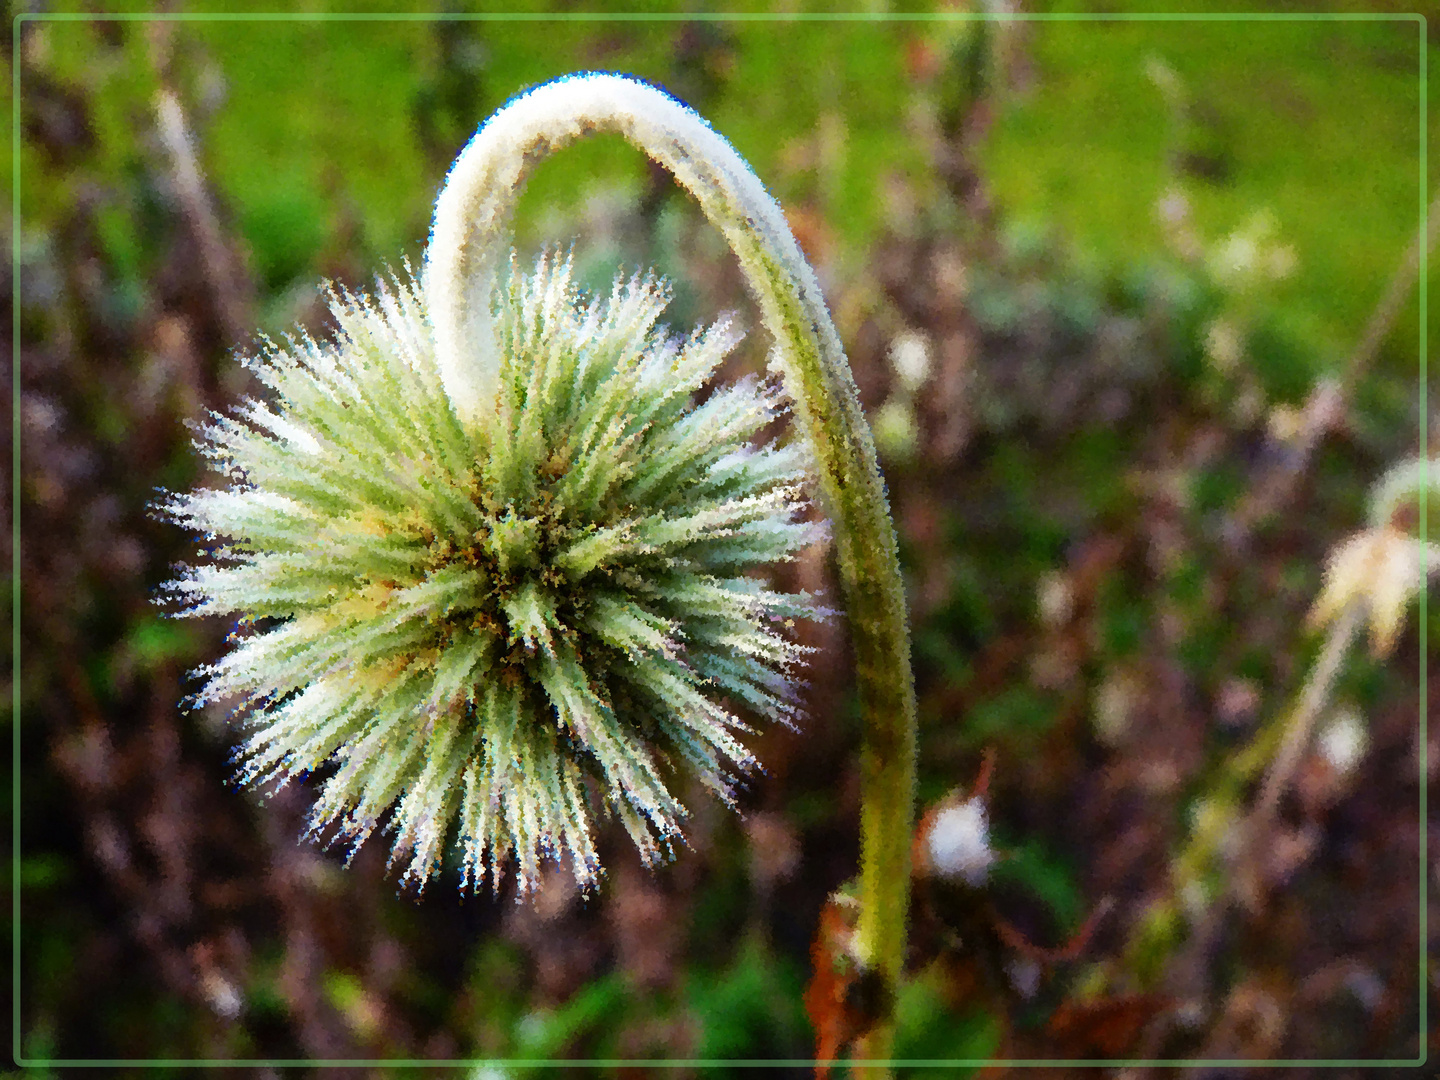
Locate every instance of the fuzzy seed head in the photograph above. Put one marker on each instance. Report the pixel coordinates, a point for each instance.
(477, 627)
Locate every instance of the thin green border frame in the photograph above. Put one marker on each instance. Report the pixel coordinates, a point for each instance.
(24, 17)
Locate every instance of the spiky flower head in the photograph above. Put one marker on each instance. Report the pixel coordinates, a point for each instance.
(475, 626)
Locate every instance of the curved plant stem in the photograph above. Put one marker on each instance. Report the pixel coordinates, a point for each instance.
(470, 240)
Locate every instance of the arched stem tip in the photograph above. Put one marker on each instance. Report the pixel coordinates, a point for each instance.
(470, 242)
(471, 235)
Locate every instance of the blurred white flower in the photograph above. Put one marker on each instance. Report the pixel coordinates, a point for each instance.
(1382, 570)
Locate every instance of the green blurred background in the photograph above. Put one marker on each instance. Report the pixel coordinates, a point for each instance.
(1128, 252)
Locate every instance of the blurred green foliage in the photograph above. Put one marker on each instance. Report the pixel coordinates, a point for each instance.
(930, 1031)
(752, 1009)
(1316, 122)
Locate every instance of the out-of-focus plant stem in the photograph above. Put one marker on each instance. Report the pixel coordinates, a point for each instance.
(1283, 744)
(1299, 723)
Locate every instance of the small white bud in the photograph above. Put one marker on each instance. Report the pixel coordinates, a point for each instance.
(959, 843)
(910, 356)
(1055, 598)
(1344, 741)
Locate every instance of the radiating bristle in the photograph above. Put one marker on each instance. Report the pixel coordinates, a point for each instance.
(471, 619)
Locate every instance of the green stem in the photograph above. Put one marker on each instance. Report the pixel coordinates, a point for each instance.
(471, 238)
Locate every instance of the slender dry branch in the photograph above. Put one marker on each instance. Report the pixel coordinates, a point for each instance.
(1328, 402)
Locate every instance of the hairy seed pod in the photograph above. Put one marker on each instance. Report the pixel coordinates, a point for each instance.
(475, 625)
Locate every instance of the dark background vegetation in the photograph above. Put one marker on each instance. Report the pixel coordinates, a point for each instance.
(1133, 253)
